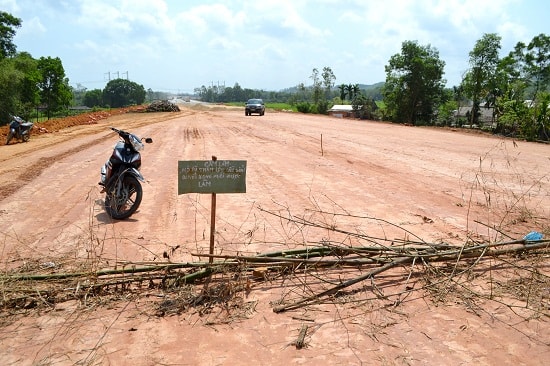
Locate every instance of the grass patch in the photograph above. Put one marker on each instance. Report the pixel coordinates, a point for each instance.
(281, 107)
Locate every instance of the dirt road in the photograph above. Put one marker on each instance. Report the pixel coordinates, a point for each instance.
(391, 181)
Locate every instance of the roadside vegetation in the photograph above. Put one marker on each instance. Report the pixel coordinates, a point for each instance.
(508, 96)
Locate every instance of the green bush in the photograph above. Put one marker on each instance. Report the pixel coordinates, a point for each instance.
(304, 107)
(322, 107)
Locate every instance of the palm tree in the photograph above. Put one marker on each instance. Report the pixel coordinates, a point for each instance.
(342, 88)
(349, 89)
(356, 90)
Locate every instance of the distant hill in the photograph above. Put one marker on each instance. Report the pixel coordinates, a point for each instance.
(371, 86)
(373, 91)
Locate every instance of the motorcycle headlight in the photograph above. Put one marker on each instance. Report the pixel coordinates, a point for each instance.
(136, 142)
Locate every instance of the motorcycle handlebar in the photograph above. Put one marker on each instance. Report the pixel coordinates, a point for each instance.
(125, 135)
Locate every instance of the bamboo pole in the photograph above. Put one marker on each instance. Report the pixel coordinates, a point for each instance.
(332, 290)
(469, 252)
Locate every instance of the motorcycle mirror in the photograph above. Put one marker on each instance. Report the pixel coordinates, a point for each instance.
(148, 140)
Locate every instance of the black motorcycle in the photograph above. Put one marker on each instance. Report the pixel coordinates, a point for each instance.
(19, 129)
(120, 176)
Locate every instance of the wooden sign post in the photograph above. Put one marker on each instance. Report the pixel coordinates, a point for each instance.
(212, 221)
(212, 176)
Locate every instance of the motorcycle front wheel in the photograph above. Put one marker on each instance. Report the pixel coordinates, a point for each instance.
(123, 205)
(8, 139)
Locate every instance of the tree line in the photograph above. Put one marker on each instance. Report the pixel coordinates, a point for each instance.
(515, 88)
(29, 85)
(300, 93)
(26, 82)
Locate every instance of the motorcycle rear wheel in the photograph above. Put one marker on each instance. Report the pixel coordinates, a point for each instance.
(123, 206)
(26, 137)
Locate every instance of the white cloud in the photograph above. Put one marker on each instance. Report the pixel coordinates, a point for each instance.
(224, 44)
(281, 40)
(214, 19)
(9, 6)
(34, 27)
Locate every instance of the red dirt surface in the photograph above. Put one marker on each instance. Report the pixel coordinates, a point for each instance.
(388, 181)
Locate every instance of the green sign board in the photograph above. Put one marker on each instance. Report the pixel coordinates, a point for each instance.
(212, 176)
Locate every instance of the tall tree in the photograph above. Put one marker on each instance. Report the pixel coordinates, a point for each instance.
(525, 75)
(317, 86)
(481, 78)
(19, 93)
(343, 92)
(322, 88)
(93, 98)
(28, 91)
(351, 90)
(537, 63)
(414, 83)
(10, 79)
(328, 80)
(356, 90)
(238, 93)
(55, 92)
(10, 76)
(122, 92)
(8, 24)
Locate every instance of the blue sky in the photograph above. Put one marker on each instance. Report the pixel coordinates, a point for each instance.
(178, 45)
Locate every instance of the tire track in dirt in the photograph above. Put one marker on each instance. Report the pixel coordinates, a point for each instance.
(192, 134)
(34, 169)
(356, 163)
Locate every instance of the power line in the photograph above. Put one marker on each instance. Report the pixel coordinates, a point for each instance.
(108, 74)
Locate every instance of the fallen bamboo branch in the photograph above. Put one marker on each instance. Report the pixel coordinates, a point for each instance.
(309, 299)
(426, 253)
(105, 272)
(434, 257)
(290, 261)
(385, 256)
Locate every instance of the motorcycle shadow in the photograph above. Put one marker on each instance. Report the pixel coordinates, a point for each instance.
(104, 218)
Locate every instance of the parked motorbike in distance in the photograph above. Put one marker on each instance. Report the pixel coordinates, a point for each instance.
(19, 129)
(120, 176)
